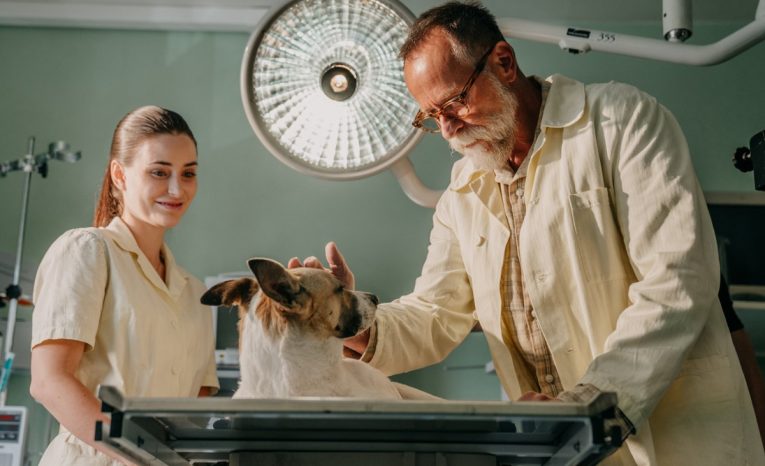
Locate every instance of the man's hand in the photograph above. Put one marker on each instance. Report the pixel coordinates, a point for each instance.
(336, 261)
(354, 347)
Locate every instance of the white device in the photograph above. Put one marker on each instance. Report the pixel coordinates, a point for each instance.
(13, 435)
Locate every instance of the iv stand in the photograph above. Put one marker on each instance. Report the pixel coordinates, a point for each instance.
(29, 163)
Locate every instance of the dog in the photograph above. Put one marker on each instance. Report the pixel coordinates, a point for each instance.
(291, 326)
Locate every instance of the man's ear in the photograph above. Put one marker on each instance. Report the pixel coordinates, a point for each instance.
(275, 281)
(503, 61)
(117, 172)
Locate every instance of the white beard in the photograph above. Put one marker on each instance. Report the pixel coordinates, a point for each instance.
(494, 141)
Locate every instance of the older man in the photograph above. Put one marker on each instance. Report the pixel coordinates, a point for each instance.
(574, 230)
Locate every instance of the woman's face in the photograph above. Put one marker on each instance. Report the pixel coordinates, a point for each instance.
(160, 183)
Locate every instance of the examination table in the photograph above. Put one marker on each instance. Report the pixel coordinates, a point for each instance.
(351, 432)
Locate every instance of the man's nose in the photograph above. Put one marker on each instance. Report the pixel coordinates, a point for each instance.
(449, 125)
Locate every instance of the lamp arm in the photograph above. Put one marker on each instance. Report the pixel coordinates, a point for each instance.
(412, 185)
(583, 40)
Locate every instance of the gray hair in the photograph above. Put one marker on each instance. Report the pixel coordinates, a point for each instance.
(472, 30)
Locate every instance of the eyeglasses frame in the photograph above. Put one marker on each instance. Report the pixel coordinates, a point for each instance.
(435, 114)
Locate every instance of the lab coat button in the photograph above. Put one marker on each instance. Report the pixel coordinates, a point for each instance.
(480, 241)
(534, 314)
(549, 378)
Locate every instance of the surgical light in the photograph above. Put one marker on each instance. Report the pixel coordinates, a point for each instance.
(323, 89)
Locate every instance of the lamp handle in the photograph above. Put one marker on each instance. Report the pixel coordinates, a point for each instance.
(412, 185)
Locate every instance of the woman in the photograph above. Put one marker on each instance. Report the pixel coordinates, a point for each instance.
(112, 306)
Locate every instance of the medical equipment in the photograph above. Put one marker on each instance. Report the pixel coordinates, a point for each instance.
(676, 20)
(677, 28)
(29, 163)
(341, 432)
(323, 89)
(13, 435)
(752, 158)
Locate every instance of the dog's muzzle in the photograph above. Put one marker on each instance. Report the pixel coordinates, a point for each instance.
(359, 316)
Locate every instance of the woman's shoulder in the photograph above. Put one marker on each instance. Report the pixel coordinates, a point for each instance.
(81, 236)
(78, 241)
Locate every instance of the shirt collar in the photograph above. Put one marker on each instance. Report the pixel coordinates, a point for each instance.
(176, 276)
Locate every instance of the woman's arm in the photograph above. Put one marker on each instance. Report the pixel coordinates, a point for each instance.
(54, 363)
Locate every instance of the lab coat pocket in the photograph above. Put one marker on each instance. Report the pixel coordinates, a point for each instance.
(598, 242)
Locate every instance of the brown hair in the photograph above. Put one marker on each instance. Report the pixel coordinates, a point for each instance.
(133, 129)
(472, 28)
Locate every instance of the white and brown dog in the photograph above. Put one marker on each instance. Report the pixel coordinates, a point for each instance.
(291, 326)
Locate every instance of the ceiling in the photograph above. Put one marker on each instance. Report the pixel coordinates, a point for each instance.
(150, 13)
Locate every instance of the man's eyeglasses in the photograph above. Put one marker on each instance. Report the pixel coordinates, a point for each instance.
(455, 106)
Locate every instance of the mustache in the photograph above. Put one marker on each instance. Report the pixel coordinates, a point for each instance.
(489, 133)
(494, 139)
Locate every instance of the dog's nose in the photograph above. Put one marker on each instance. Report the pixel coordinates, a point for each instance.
(374, 299)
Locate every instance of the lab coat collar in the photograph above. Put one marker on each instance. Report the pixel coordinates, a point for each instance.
(466, 177)
(565, 102)
(564, 106)
(465, 172)
(176, 277)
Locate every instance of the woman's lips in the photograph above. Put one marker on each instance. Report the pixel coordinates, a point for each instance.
(170, 205)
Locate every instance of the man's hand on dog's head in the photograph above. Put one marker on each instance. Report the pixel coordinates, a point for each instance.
(336, 261)
(338, 265)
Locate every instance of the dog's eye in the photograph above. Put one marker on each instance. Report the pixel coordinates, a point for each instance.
(339, 289)
(302, 289)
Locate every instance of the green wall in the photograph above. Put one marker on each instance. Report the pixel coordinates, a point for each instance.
(75, 84)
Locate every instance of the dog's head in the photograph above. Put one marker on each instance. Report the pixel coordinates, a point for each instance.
(311, 297)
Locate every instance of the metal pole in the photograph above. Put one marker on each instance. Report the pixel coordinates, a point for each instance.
(29, 167)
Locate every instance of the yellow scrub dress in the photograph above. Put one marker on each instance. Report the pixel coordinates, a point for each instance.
(145, 336)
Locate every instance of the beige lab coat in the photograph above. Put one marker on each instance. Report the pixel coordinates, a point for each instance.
(620, 262)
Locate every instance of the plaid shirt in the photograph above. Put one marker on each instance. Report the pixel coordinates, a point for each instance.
(518, 316)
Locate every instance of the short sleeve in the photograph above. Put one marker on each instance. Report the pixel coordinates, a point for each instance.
(69, 289)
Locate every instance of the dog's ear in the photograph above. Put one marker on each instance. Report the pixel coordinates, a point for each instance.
(275, 281)
(231, 292)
